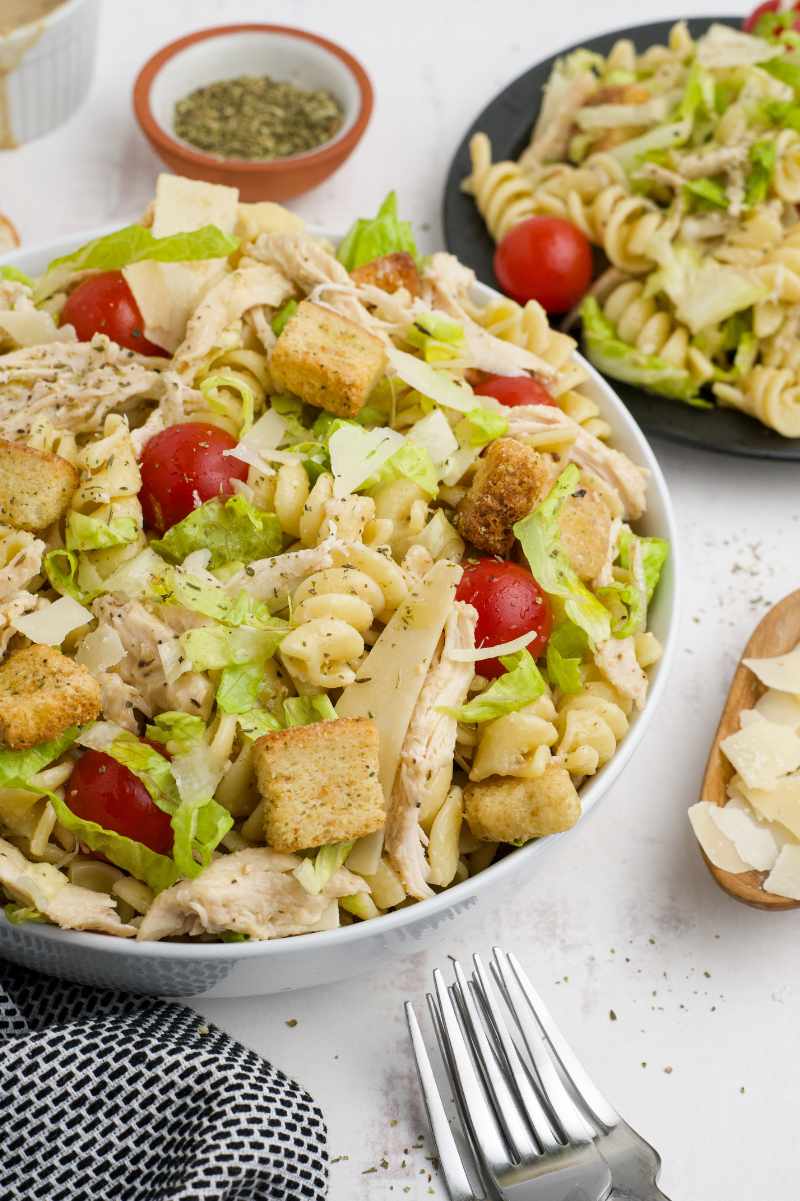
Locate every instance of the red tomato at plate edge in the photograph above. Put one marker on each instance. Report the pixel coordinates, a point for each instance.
(510, 603)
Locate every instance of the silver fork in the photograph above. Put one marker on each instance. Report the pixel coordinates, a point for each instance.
(529, 1139)
(634, 1164)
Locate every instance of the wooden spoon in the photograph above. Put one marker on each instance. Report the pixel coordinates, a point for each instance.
(776, 634)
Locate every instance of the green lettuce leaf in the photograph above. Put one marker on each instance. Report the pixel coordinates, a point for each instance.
(763, 156)
(149, 766)
(372, 237)
(655, 552)
(283, 315)
(16, 276)
(174, 586)
(413, 463)
(784, 113)
(233, 530)
(290, 408)
(135, 244)
(627, 606)
(481, 426)
(436, 337)
(21, 765)
(616, 358)
(178, 731)
(89, 533)
(698, 93)
(256, 723)
(708, 192)
(786, 69)
(239, 688)
(19, 914)
(306, 710)
(211, 647)
(62, 569)
(315, 873)
(566, 648)
(210, 389)
(521, 684)
(539, 536)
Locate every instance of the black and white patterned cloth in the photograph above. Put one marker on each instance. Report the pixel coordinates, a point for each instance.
(106, 1096)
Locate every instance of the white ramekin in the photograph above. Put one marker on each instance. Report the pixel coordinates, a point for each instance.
(46, 70)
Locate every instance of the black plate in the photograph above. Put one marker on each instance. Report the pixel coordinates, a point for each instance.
(508, 121)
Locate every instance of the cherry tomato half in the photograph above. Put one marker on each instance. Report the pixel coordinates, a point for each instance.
(104, 304)
(771, 26)
(509, 603)
(184, 466)
(513, 390)
(102, 790)
(545, 259)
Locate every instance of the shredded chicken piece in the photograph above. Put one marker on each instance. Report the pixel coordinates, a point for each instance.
(22, 323)
(249, 892)
(141, 634)
(225, 303)
(120, 701)
(16, 606)
(73, 385)
(700, 163)
(452, 282)
(44, 887)
(273, 580)
(627, 479)
(426, 760)
(617, 660)
(605, 575)
(24, 564)
(563, 96)
(176, 399)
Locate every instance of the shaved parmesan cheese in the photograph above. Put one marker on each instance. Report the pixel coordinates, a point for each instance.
(782, 672)
(780, 708)
(477, 654)
(33, 327)
(358, 454)
(173, 660)
(100, 735)
(757, 843)
(259, 445)
(784, 879)
(779, 804)
(50, 625)
(724, 46)
(458, 463)
(762, 752)
(717, 846)
(436, 385)
(434, 434)
(101, 649)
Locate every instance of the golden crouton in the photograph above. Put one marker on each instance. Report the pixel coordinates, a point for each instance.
(510, 480)
(585, 527)
(619, 93)
(35, 486)
(504, 809)
(327, 360)
(320, 783)
(43, 693)
(391, 272)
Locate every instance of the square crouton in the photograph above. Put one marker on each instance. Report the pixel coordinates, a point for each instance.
(43, 693)
(509, 481)
(327, 360)
(320, 783)
(504, 809)
(390, 272)
(35, 486)
(585, 531)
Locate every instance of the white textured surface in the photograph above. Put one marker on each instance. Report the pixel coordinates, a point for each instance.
(625, 917)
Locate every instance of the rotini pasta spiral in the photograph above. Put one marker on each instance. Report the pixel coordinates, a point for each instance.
(502, 192)
(46, 437)
(312, 514)
(108, 491)
(517, 744)
(20, 560)
(528, 326)
(401, 513)
(642, 322)
(786, 175)
(590, 724)
(771, 394)
(624, 225)
(232, 388)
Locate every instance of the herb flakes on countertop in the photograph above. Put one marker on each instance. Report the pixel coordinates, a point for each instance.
(256, 117)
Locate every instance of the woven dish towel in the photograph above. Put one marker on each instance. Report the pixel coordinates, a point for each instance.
(110, 1097)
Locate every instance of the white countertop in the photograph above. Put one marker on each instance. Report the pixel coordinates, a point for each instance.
(702, 1056)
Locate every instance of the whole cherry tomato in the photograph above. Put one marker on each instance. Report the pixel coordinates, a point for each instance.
(104, 791)
(762, 21)
(104, 304)
(509, 603)
(183, 466)
(545, 259)
(513, 390)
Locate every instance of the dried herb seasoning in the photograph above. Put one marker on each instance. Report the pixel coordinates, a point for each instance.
(255, 117)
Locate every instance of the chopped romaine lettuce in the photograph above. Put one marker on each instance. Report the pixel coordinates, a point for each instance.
(566, 648)
(707, 193)
(212, 647)
(210, 389)
(703, 291)
(414, 463)
(315, 873)
(627, 605)
(16, 276)
(698, 93)
(233, 530)
(19, 914)
(290, 408)
(481, 426)
(135, 244)
(62, 569)
(431, 382)
(257, 723)
(21, 765)
(435, 434)
(283, 315)
(654, 553)
(178, 731)
(177, 586)
(358, 454)
(370, 238)
(521, 684)
(436, 337)
(784, 113)
(786, 69)
(89, 533)
(305, 710)
(663, 137)
(763, 155)
(239, 687)
(539, 536)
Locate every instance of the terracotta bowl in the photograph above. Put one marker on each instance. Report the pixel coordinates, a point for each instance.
(227, 51)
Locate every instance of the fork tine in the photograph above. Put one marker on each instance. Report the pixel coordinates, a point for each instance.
(455, 1177)
(478, 1113)
(598, 1105)
(506, 1104)
(531, 1102)
(573, 1124)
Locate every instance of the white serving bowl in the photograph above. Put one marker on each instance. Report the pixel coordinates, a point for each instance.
(258, 968)
(48, 68)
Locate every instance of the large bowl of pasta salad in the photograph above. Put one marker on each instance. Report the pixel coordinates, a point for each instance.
(334, 587)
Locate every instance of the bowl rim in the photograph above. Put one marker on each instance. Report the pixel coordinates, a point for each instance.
(329, 150)
(457, 895)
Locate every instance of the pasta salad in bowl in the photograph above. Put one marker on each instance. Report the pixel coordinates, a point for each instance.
(323, 589)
